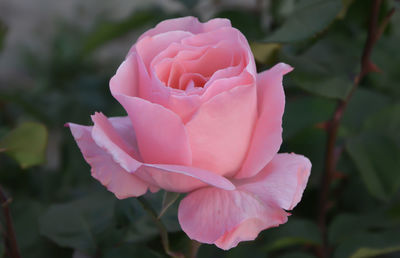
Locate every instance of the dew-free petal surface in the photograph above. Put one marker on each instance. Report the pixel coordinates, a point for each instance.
(117, 180)
(267, 135)
(220, 131)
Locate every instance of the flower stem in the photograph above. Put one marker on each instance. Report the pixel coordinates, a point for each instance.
(161, 228)
(332, 152)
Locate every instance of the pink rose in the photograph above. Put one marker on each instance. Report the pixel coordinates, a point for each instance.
(200, 121)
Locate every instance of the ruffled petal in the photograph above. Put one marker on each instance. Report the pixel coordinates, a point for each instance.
(282, 181)
(104, 168)
(189, 23)
(267, 135)
(221, 130)
(225, 218)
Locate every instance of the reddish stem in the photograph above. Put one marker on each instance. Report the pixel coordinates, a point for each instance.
(10, 239)
(331, 156)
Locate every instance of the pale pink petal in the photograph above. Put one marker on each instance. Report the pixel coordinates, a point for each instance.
(126, 79)
(160, 133)
(221, 130)
(149, 47)
(104, 168)
(106, 137)
(176, 178)
(188, 23)
(282, 181)
(267, 136)
(225, 218)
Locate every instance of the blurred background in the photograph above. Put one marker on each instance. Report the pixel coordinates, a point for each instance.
(56, 59)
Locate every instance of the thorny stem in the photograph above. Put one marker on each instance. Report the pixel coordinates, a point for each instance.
(10, 240)
(331, 155)
(161, 228)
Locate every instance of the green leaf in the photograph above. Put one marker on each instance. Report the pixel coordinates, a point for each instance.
(130, 250)
(366, 252)
(305, 112)
(79, 224)
(108, 31)
(369, 245)
(345, 226)
(247, 21)
(295, 232)
(26, 144)
(376, 157)
(317, 79)
(265, 53)
(309, 18)
(168, 199)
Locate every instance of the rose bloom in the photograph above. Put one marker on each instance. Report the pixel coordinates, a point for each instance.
(200, 121)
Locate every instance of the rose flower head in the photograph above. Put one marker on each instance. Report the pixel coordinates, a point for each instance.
(201, 121)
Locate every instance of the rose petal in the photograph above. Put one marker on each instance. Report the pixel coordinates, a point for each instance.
(282, 181)
(149, 47)
(267, 136)
(221, 130)
(176, 178)
(225, 218)
(106, 137)
(161, 136)
(104, 168)
(188, 23)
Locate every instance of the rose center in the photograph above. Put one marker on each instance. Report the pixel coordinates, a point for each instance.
(193, 68)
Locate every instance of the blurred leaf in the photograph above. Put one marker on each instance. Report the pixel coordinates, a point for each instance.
(296, 255)
(309, 18)
(363, 104)
(366, 252)
(345, 226)
(386, 120)
(375, 157)
(130, 250)
(26, 144)
(168, 199)
(110, 30)
(346, 5)
(3, 31)
(294, 232)
(369, 245)
(247, 21)
(318, 79)
(78, 224)
(305, 112)
(265, 53)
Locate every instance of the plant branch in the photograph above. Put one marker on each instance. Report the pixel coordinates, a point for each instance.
(161, 228)
(10, 240)
(331, 156)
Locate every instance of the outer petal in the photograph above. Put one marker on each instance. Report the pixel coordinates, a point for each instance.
(267, 136)
(104, 168)
(161, 135)
(116, 136)
(282, 181)
(106, 137)
(225, 218)
(221, 130)
(176, 178)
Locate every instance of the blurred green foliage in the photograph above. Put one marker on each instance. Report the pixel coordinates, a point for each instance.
(59, 210)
